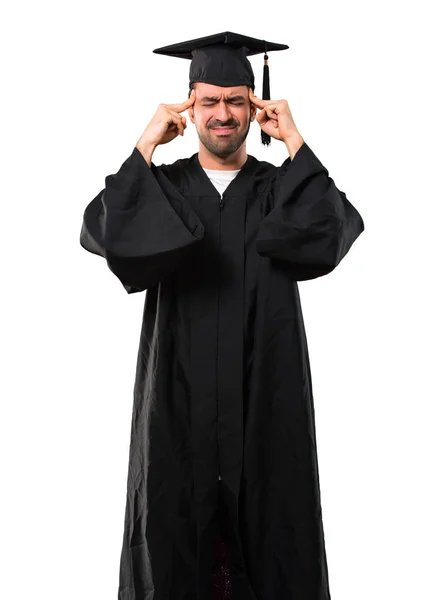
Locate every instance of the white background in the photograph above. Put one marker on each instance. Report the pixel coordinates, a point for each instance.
(80, 83)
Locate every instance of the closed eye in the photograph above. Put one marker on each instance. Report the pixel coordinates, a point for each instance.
(234, 102)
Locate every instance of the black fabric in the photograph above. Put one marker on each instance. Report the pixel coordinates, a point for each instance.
(223, 410)
(226, 38)
(223, 66)
(221, 59)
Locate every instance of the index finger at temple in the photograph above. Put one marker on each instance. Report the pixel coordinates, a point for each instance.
(258, 102)
(183, 105)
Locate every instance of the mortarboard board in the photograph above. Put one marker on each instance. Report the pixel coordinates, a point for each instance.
(221, 59)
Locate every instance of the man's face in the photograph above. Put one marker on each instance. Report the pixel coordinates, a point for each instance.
(222, 116)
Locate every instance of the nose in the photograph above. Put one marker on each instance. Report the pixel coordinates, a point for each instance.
(222, 113)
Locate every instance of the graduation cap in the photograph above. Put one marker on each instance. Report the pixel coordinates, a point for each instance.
(221, 59)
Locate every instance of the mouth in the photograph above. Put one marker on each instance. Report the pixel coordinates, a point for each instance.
(223, 130)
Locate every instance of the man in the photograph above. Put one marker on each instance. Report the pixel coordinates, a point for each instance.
(223, 488)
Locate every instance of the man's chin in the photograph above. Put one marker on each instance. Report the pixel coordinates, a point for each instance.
(222, 150)
(221, 146)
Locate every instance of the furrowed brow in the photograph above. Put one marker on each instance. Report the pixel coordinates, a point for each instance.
(215, 98)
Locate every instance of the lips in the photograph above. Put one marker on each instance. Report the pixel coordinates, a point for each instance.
(223, 130)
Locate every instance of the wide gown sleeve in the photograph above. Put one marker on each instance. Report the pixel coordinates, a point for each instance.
(311, 225)
(140, 224)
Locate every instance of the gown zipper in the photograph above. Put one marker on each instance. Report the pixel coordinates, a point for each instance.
(221, 205)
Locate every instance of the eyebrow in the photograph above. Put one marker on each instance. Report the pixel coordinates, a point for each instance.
(215, 98)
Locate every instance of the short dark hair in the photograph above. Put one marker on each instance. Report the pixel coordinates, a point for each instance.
(191, 87)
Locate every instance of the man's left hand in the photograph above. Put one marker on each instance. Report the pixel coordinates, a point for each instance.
(276, 120)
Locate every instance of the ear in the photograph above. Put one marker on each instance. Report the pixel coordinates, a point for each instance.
(253, 111)
(191, 114)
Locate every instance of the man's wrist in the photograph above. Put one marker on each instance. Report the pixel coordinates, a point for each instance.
(147, 151)
(293, 144)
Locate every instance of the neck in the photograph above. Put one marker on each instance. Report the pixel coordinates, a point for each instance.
(232, 162)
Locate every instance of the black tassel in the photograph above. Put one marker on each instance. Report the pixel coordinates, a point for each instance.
(265, 138)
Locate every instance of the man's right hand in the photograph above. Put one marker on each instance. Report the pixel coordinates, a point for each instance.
(166, 124)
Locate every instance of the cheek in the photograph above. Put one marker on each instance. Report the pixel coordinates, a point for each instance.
(201, 116)
(245, 115)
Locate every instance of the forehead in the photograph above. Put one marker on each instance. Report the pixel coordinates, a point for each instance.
(217, 91)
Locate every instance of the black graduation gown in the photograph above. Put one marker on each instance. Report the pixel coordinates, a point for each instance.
(223, 430)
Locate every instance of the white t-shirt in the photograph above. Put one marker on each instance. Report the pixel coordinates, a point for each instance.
(221, 179)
